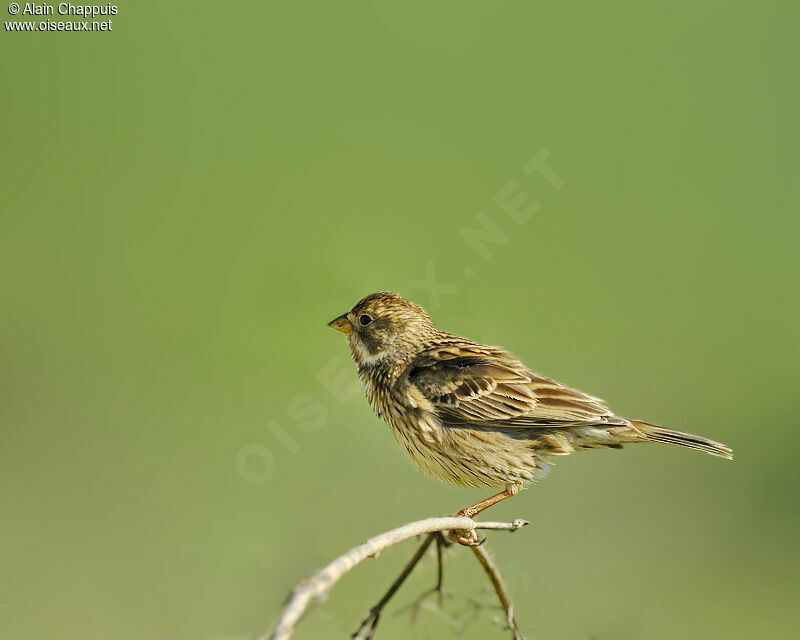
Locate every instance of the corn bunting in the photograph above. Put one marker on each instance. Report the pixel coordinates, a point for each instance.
(475, 415)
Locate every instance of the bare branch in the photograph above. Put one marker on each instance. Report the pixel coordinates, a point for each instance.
(317, 585)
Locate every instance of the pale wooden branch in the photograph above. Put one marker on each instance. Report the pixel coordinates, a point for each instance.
(319, 584)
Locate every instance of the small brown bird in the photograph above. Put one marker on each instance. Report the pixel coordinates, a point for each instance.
(473, 415)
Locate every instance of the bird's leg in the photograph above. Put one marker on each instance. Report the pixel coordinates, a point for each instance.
(471, 538)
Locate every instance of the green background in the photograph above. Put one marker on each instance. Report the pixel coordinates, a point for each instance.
(187, 200)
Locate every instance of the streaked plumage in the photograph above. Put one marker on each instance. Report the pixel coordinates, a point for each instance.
(472, 414)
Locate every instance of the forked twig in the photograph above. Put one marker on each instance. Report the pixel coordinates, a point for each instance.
(302, 596)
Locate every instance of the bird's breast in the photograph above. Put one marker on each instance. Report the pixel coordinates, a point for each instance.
(403, 407)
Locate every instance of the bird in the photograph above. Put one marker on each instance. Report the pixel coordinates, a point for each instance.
(474, 415)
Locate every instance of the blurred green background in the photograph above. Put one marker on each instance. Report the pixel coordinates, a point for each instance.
(187, 200)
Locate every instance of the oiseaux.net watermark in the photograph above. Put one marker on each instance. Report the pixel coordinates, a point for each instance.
(307, 411)
(62, 16)
(517, 206)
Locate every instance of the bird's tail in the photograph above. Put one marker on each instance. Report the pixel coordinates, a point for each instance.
(655, 433)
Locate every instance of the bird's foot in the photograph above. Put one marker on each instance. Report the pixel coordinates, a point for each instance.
(467, 538)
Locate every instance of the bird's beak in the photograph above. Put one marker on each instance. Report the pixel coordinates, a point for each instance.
(341, 324)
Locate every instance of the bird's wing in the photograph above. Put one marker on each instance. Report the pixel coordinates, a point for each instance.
(475, 384)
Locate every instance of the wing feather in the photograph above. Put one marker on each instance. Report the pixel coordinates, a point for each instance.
(475, 384)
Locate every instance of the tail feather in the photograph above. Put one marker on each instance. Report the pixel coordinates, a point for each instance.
(680, 439)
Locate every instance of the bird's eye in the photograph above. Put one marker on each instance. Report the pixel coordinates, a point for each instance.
(364, 320)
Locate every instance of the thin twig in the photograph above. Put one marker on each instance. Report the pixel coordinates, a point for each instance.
(440, 544)
(417, 605)
(370, 621)
(318, 584)
(500, 589)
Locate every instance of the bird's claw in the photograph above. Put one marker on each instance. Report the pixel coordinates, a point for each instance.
(466, 538)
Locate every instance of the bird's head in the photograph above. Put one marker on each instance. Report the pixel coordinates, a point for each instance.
(382, 325)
